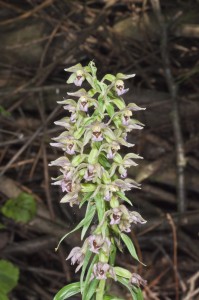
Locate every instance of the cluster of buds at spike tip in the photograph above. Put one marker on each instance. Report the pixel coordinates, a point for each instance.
(93, 173)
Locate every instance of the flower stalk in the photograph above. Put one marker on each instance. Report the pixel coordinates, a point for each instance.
(93, 173)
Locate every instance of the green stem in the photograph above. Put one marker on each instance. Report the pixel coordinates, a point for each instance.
(100, 290)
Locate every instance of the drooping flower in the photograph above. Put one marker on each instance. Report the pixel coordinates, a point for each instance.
(83, 103)
(115, 216)
(77, 256)
(97, 242)
(119, 87)
(137, 280)
(126, 115)
(102, 270)
(136, 218)
(97, 134)
(112, 150)
(79, 78)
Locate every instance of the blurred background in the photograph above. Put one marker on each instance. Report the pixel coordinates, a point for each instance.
(157, 40)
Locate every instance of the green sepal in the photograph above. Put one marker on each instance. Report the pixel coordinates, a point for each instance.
(109, 77)
(74, 68)
(68, 291)
(119, 103)
(77, 134)
(71, 78)
(118, 158)
(123, 76)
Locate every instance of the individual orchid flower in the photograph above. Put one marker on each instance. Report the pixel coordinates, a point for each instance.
(67, 143)
(93, 172)
(136, 218)
(137, 280)
(126, 117)
(112, 150)
(77, 256)
(97, 242)
(115, 216)
(120, 216)
(62, 161)
(102, 270)
(78, 74)
(65, 180)
(119, 87)
(109, 189)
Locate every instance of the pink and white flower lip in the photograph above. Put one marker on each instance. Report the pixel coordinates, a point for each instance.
(70, 148)
(126, 117)
(119, 87)
(79, 78)
(77, 256)
(89, 174)
(83, 104)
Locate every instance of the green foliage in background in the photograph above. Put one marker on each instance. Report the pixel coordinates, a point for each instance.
(9, 275)
(20, 209)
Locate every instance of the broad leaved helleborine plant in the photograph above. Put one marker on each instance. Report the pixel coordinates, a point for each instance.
(93, 173)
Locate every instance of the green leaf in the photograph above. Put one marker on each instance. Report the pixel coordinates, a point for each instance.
(84, 266)
(107, 297)
(85, 198)
(4, 112)
(92, 289)
(93, 156)
(68, 291)
(100, 205)
(21, 209)
(3, 297)
(9, 275)
(126, 283)
(110, 109)
(130, 246)
(104, 161)
(91, 215)
(123, 197)
(81, 224)
(87, 280)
